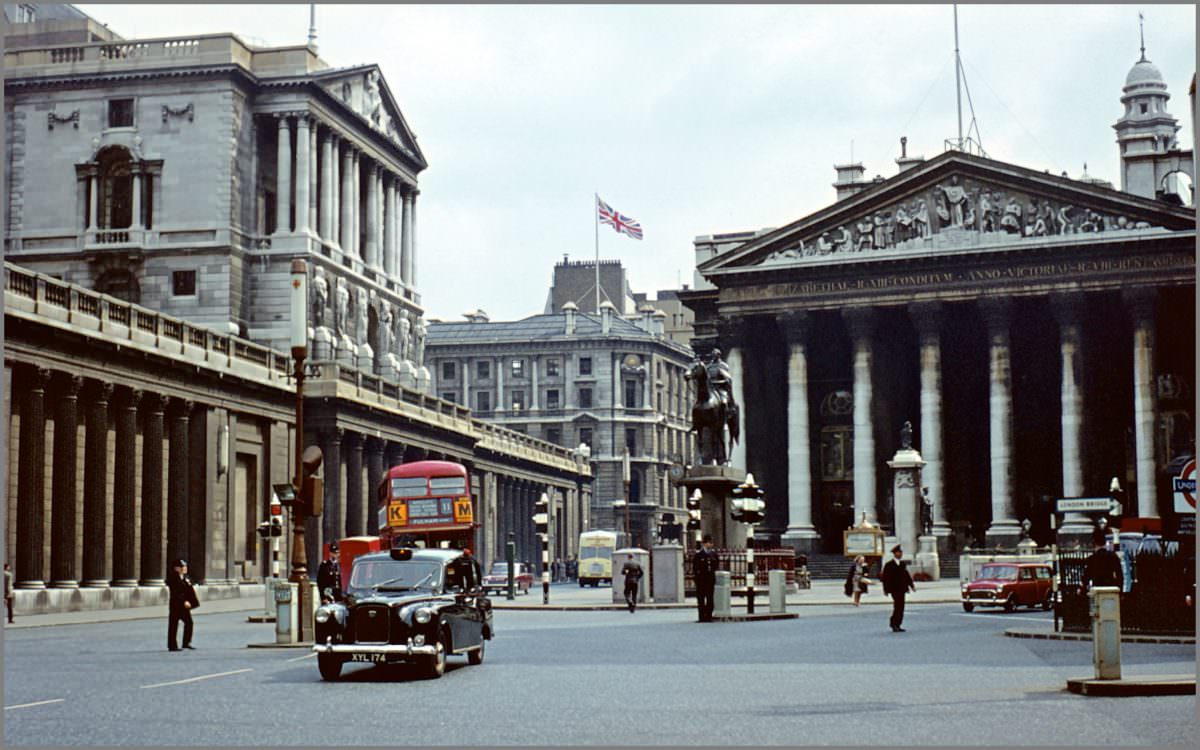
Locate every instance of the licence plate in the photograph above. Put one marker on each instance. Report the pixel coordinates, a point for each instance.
(369, 657)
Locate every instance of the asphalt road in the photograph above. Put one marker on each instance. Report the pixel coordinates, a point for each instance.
(835, 676)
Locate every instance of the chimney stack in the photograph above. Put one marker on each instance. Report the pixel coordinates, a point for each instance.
(849, 180)
(658, 323)
(607, 309)
(569, 311)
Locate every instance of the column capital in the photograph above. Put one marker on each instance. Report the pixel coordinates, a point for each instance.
(729, 331)
(39, 378)
(1068, 308)
(352, 440)
(100, 391)
(996, 312)
(795, 326)
(376, 445)
(927, 317)
(180, 408)
(331, 434)
(69, 385)
(860, 321)
(281, 118)
(1141, 302)
(154, 402)
(132, 397)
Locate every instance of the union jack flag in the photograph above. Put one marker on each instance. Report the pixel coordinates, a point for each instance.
(618, 221)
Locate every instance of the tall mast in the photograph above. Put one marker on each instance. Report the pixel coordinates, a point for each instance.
(312, 25)
(958, 79)
(1142, 35)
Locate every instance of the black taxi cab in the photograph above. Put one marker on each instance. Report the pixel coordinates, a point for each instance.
(406, 605)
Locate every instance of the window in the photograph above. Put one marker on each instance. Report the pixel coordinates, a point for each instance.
(631, 440)
(631, 394)
(518, 368)
(449, 396)
(26, 13)
(483, 401)
(585, 436)
(552, 398)
(585, 365)
(660, 402)
(120, 113)
(1143, 108)
(518, 400)
(554, 435)
(115, 199)
(552, 368)
(183, 283)
(585, 398)
(483, 370)
(447, 371)
(658, 370)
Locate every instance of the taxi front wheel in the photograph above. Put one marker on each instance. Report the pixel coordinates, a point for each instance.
(476, 656)
(435, 666)
(330, 666)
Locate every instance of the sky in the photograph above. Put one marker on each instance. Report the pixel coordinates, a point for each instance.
(696, 119)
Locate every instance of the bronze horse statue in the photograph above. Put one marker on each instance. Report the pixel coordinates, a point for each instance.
(713, 412)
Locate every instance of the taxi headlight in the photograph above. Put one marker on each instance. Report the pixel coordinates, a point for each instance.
(323, 615)
(423, 616)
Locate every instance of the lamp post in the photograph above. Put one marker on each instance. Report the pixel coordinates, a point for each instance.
(299, 341)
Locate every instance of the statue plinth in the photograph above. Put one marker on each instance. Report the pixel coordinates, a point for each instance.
(906, 491)
(715, 484)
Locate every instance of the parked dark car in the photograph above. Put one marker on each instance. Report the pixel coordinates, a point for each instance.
(496, 581)
(406, 605)
(1010, 585)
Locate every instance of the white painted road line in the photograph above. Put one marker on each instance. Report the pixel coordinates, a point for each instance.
(1006, 617)
(197, 679)
(37, 703)
(309, 655)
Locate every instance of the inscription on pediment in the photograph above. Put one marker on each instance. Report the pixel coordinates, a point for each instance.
(953, 214)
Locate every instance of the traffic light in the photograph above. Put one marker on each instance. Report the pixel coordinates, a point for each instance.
(276, 518)
(541, 515)
(312, 489)
(264, 529)
(693, 509)
(748, 506)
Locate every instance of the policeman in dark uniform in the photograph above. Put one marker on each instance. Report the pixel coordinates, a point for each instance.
(1103, 566)
(329, 577)
(182, 601)
(704, 570)
(633, 572)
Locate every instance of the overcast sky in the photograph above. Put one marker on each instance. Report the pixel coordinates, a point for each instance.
(696, 119)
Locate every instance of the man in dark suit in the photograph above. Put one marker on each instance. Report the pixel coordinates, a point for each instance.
(1104, 566)
(633, 577)
(183, 600)
(329, 577)
(896, 584)
(704, 571)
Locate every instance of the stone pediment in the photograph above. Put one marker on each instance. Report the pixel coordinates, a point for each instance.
(363, 90)
(954, 201)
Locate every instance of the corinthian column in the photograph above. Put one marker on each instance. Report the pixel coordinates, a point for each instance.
(177, 476)
(406, 260)
(303, 144)
(927, 317)
(1141, 307)
(283, 176)
(997, 313)
(124, 483)
(325, 209)
(31, 477)
(389, 227)
(63, 518)
(1068, 311)
(152, 569)
(413, 238)
(801, 534)
(353, 444)
(860, 321)
(95, 495)
(346, 224)
(730, 333)
(371, 256)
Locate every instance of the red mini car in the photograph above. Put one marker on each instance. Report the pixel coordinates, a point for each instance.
(496, 581)
(1010, 585)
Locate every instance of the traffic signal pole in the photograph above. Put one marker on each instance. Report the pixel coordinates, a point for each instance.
(299, 336)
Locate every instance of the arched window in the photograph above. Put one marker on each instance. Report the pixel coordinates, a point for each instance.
(120, 283)
(116, 188)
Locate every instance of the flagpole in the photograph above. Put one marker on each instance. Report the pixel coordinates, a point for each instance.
(596, 219)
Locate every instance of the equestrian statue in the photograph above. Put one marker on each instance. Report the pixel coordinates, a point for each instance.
(714, 410)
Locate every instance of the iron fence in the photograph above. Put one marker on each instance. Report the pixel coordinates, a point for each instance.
(1153, 604)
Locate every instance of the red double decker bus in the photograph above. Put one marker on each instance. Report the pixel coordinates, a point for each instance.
(427, 502)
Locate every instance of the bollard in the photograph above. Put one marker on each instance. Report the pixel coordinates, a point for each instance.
(285, 613)
(776, 584)
(1106, 631)
(721, 605)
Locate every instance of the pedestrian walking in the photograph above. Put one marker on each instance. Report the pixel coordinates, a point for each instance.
(896, 584)
(856, 579)
(183, 600)
(704, 571)
(8, 590)
(329, 577)
(1103, 566)
(633, 577)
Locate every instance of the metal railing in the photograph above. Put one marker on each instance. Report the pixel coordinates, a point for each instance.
(734, 560)
(1154, 602)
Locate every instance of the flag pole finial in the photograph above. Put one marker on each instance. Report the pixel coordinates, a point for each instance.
(312, 25)
(1142, 34)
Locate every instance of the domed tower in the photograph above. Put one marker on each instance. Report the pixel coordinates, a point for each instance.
(1146, 134)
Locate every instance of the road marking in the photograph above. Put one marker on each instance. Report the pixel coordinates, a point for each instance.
(306, 656)
(36, 703)
(1006, 617)
(197, 679)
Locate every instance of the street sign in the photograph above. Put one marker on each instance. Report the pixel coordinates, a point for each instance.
(1184, 488)
(1088, 505)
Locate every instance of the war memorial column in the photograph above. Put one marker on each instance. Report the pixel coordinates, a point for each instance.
(860, 322)
(800, 533)
(997, 314)
(1141, 304)
(928, 318)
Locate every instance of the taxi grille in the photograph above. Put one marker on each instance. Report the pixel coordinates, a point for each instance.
(371, 624)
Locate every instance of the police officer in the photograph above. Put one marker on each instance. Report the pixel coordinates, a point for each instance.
(329, 577)
(632, 571)
(1103, 566)
(704, 571)
(183, 600)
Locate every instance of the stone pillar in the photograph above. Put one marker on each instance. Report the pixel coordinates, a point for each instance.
(375, 473)
(95, 496)
(406, 257)
(31, 477)
(331, 519)
(465, 363)
(356, 202)
(499, 406)
(1004, 530)
(314, 156)
(1141, 303)
(371, 256)
(533, 374)
(283, 176)
(64, 536)
(389, 227)
(94, 199)
(198, 516)
(325, 204)
(508, 501)
(335, 188)
(860, 322)
(346, 224)
(737, 457)
(413, 238)
(303, 177)
(353, 445)
(801, 535)
(152, 569)
(906, 466)
(137, 197)
(177, 480)
(1068, 310)
(617, 390)
(124, 487)
(927, 317)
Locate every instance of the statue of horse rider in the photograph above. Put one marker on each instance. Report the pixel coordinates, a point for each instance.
(715, 409)
(720, 379)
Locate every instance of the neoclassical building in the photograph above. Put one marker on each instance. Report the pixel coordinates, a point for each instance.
(613, 384)
(1037, 331)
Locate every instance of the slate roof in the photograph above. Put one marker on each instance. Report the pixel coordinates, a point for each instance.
(534, 328)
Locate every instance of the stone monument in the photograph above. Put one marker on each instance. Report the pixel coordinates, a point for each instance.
(908, 504)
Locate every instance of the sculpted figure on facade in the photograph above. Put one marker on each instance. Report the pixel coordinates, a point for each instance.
(866, 234)
(405, 326)
(843, 241)
(920, 219)
(989, 211)
(386, 337)
(1092, 222)
(1011, 222)
(1062, 220)
(823, 245)
(903, 226)
(953, 205)
(320, 297)
(361, 316)
(883, 229)
(419, 332)
(343, 308)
